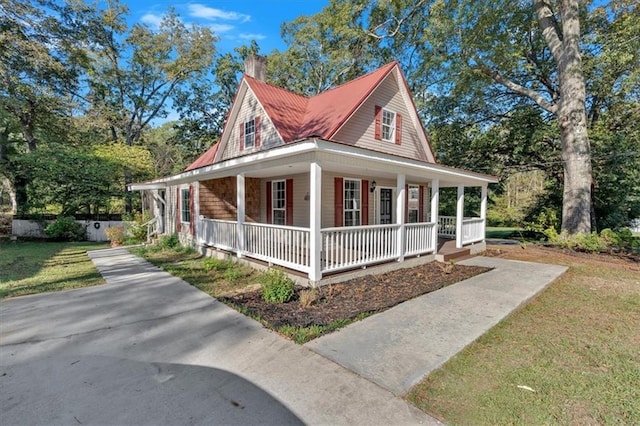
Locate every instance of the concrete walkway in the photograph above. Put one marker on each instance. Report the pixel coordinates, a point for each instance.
(148, 348)
(399, 347)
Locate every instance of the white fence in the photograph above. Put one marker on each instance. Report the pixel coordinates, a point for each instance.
(35, 229)
(219, 233)
(447, 226)
(418, 238)
(347, 247)
(282, 245)
(472, 230)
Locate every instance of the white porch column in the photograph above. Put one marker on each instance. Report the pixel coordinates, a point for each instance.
(435, 202)
(315, 214)
(400, 212)
(240, 212)
(459, 215)
(196, 213)
(483, 209)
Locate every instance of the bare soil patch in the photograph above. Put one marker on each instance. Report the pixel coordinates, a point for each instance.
(348, 300)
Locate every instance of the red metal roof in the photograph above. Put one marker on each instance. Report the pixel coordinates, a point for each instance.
(297, 117)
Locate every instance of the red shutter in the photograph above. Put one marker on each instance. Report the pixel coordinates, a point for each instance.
(288, 213)
(421, 204)
(269, 201)
(339, 202)
(192, 212)
(406, 203)
(178, 209)
(256, 123)
(378, 122)
(398, 129)
(364, 195)
(241, 136)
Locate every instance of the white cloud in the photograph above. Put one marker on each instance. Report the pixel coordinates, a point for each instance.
(250, 36)
(197, 10)
(220, 28)
(152, 20)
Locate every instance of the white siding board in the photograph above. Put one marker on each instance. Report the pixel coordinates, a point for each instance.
(269, 136)
(359, 130)
(300, 206)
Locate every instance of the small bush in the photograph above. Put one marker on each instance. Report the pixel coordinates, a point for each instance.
(546, 219)
(593, 242)
(169, 242)
(115, 234)
(277, 287)
(308, 297)
(133, 226)
(66, 228)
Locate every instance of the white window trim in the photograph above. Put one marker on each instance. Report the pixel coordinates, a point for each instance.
(417, 208)
(184, 191)
(247, 134)
(344, 201)
(392, 131)
(274, 209)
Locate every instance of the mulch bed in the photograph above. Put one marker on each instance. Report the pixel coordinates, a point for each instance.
(346, 300)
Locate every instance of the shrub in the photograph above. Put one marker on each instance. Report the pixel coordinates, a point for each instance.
(277, 287)
(308, 297)
(546, 219)
(133, 226)
(115, 234)
(169, 242)
(66, 228)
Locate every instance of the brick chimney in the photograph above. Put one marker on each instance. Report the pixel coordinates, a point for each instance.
(255, 66)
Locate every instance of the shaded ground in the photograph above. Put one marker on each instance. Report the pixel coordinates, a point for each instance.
(348, 300)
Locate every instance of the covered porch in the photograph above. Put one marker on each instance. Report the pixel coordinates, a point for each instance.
(319, 207)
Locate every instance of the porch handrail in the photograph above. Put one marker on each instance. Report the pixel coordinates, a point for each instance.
(418, 238)
(473, 230)
(286, 246)
(358, 228)
(219, 233)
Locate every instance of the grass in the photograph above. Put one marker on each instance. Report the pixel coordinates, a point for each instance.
(503, 232)
(30, 267)
(576, 345)
(212, 276)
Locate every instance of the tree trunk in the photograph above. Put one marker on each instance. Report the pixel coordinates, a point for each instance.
(572, 118)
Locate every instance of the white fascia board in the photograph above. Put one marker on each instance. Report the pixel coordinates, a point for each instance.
(146, 186)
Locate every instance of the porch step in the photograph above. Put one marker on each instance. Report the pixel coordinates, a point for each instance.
(453, 255)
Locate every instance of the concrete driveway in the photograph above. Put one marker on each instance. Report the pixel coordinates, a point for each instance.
(147, 348)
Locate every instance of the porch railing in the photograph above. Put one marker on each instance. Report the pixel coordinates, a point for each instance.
(219, 233)
(472, 230)
(418, 238)
(447, 226)
(348, 247)
(287, 246)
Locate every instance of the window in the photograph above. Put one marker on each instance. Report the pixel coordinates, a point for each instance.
(388, 125)
(185, 206)
(351, 202)
(249, 133)
(413, 204)
(278, 202)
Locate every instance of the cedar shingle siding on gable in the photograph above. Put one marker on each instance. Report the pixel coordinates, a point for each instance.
(360, 129)
(268, 135)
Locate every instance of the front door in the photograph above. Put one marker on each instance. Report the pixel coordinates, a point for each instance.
(386, 206)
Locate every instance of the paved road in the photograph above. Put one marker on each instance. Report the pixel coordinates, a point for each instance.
(147, 348)
(399, 347)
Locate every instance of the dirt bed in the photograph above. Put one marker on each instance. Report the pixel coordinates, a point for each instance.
(347, 300)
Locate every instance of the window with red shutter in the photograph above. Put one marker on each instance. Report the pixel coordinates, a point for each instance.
(256, 123)
(289, 202)
(365, 202)
(398, 129)
(339, 201)
(269, 204)
(378, 122)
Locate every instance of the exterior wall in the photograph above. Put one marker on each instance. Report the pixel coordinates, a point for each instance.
(269, 136)
(218, 199)
(300, 205)
(360, 129)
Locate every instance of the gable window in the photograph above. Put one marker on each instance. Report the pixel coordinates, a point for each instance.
(413, 204)
(249, 133)
(388, 125)
(185, 207)
(278, 202)
(352, 205)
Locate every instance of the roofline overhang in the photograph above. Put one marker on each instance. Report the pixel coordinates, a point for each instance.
(310, 148)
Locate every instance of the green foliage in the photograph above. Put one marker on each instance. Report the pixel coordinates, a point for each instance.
(65, 228)
(215, 264)
(116, 234)
(171, 242)
(277, 287)
(593, 242)
(546, 219)
(134, 229)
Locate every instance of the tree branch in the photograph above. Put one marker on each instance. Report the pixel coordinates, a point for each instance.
(550, 28)
(517, 88)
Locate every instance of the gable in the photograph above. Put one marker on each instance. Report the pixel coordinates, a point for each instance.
(249, 108)
(360, 129)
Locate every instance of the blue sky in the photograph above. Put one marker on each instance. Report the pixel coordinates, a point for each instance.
(235, 22)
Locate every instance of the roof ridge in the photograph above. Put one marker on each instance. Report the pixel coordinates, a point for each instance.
(248, 77)
(355, 80)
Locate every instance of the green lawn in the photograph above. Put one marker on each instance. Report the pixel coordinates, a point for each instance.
(37, 267)
(576, 346)
(502, 232)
